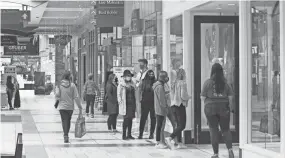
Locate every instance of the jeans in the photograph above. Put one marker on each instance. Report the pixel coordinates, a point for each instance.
(127, 124)
(219, 115)
(90, 99)
(160, 125)
(112, 121)
(170, 116)
(147, 108)
(180, 117)
(65, 120)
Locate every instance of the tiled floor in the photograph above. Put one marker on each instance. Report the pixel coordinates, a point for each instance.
(42, 136)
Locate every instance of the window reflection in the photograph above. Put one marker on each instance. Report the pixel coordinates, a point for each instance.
(265, 106)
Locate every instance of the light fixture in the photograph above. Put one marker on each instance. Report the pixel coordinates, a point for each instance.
(219, 8)
(231, 4)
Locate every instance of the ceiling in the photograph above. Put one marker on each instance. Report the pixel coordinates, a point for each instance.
(219, 7)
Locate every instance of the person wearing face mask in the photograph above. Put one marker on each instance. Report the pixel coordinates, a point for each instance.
(112, 102)
(147, 103)
(127, 103)
(161, 108)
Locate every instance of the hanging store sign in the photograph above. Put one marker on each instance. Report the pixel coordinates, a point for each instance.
(110, 4)
(110, 17)
(8, 40)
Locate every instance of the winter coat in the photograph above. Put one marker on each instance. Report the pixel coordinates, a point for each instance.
(179, 94)
(91, 88)
(122, 97)
(111, 98)
(160, 99)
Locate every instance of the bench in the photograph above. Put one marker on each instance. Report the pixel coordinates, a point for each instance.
(18, 150)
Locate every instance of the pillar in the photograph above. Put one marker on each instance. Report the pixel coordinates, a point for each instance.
(60, 42)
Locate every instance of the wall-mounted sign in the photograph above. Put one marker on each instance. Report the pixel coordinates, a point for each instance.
(30, 47)
(110, 4)
(110, 17)
(136, 23)
(8, 40)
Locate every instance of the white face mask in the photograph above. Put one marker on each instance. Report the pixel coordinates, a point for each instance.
(128, 78)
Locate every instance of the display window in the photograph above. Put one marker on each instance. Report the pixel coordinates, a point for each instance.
(265, 96)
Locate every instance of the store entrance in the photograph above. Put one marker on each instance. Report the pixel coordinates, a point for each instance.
(216, 39)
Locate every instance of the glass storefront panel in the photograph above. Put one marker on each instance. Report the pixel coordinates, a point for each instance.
(265, 106)
(176, 45)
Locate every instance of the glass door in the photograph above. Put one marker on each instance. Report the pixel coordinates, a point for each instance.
(216, 41)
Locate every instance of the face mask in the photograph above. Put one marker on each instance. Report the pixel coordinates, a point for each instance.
(116, 80)
(128, 78)
(166, 79)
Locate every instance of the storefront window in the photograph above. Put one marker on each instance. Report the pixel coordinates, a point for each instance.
(176, 45)
(265, 107)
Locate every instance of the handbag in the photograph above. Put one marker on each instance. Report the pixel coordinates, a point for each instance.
(80, 128)
(57, 101)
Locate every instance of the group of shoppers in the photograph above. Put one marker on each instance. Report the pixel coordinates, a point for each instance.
(158, 99)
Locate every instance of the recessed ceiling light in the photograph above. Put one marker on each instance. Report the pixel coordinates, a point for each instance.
(219, 8)
(231, 4)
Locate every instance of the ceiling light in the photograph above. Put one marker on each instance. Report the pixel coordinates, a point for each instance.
(219, 8)
(231, 4)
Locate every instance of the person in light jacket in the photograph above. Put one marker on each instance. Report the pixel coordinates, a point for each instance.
(127, 103)
(161, 108)
(112, 102)
(179, 100)
(67, 93)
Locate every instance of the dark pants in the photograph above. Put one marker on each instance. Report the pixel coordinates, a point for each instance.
(112, 121)
(10, 97)
(160, 125)
(147, 108)
(171, 117)
(90, 99)
(219, 115)
(127, 124)
(179, 113)
(65, 120)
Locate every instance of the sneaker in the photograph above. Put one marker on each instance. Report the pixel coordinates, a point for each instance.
(169, 143)
(115, 131)
(131, 137)
(92, 116)
(150, 136)
(124, 138)
(215, 156)
(231, 153)
(66, 139)
(87, 115)
(160, 146)
(140, 137)
(180, 146)
(11, 108)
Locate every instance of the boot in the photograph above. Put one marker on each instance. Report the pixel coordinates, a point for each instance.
(130, 130)
(151, 136)
(66, 139)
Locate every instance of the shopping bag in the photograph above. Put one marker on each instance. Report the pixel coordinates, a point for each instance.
(80, 129)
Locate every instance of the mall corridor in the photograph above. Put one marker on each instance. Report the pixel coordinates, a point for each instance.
(42, 136)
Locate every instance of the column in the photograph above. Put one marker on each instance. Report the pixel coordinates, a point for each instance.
(188, 65)
(282, 74)
(60, 42)
(245, 72)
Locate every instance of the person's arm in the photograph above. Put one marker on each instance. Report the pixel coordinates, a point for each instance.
(231, 98)
(85, 88)
(119, 94)
(77, 99)
(109, 91)
(162, 96)
(203, 95)
(57, 92)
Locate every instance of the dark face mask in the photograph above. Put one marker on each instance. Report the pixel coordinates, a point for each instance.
(116, 80)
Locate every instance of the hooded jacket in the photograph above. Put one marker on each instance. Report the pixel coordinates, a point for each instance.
(160, 99)
(66, 95)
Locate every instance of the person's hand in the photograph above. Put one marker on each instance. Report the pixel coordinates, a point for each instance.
(80, 112)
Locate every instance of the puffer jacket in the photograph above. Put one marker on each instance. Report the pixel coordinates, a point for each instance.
(160, 99)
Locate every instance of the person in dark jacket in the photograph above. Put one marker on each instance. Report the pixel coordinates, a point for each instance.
(89, 93)
(161, 108)
(127, 103)
(147, 103)
(112, 102)
(10, 89)
(17, 99)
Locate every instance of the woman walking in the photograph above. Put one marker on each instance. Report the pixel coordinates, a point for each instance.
(179, 101)
(67, 93)
(112, 102)
(89, 93)
(10, 89)
(17, 99)
(217, 96)
(127, 103)
(147, 103)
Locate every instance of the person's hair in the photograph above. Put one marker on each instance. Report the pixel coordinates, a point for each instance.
(181, 75)
(111, 78)
(143, 61)
(148, 82)
(217, 75)
(66, 75)
(162, 76)
(90, 76)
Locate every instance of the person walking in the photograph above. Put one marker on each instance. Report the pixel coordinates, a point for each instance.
(217, 96)
(10, 89)
(147, 103)
(160, 104)
(179, 101)
(112, 102)
(89, 93)
(17, 98)
(67, 93)
(127, 103)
